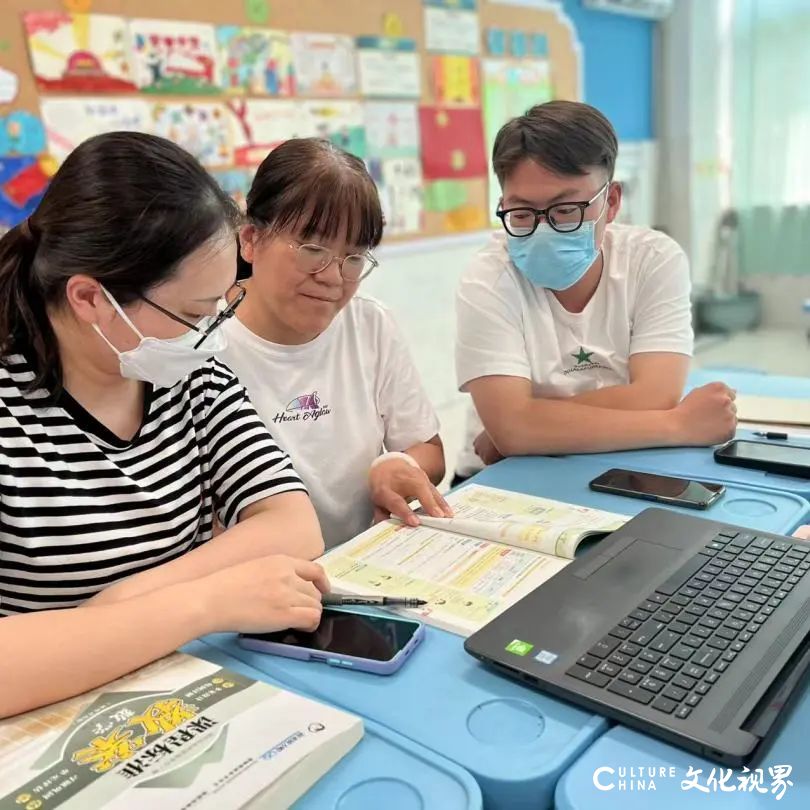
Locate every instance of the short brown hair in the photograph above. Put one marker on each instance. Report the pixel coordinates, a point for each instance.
(566, 137)
(314, 187)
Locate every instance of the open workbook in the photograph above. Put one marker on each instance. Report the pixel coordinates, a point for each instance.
(177, 734)
(498, 547)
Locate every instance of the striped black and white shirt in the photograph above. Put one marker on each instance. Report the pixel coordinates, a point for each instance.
(81, 509)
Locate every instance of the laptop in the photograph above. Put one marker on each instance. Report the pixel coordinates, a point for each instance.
(688, 629)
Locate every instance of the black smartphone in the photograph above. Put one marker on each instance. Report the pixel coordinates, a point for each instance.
(662, 488)
(783, 459)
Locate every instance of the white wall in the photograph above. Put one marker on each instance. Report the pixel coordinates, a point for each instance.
(418, 282)
(694, 146)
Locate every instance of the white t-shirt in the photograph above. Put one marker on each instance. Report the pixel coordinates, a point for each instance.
(335, 404)
(508, 326)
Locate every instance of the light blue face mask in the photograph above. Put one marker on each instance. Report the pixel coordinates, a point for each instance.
(555, 260)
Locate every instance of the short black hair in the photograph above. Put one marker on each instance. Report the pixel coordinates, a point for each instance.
(566, 137)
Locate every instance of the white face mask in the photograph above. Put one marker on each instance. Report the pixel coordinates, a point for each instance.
(165, 362)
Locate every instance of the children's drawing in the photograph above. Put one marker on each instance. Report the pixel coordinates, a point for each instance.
(21, 133)
(69, 121)
(392, 129)
(23, 181)
(78, 52)
(200, 128)
(174, 57)
(258, 126)
(324, 65)
(257, 61)
(340, 122)
(235, 183)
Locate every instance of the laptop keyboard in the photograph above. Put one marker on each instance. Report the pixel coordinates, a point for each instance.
(671, 650)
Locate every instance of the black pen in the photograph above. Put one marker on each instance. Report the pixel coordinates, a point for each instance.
(769, 434)
(337, 599)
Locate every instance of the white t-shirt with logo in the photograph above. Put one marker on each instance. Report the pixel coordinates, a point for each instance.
(335, 404)
(508, 326)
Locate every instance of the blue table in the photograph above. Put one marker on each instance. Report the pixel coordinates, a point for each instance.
(566, 478)
(384, 769)
(626, 749)
(753, 383)
(515, 741)
(699, 463)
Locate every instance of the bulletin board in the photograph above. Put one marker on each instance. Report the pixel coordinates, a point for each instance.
(443, 187)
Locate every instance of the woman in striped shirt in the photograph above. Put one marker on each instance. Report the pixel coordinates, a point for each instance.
(121, 440)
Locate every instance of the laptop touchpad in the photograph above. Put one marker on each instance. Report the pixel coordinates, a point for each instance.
(636, 564)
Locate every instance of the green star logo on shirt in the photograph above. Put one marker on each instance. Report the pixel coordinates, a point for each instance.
(582, 356)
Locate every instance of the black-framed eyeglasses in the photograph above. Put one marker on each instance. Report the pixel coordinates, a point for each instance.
(563, 217)
(233, 298)
(314, 259)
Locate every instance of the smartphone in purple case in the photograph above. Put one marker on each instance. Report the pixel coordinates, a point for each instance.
(366, 642)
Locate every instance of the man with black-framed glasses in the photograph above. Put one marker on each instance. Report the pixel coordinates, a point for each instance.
(574, 333)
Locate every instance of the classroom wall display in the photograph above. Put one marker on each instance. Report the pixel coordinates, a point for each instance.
(518, 44)
(21, 133)
(392, 129)
(400, 187)
(230, 86)
(23, 181)
(78, 52)
(389, 68)
(199, 127)
(325, 64)
(455, 80)
(340, 122)
(235, 183)
(465, 5)
(452, 143)
(451, 31)
(69, 121)
(256, 61)
(174, 57)
(258, 126)
(510, 88)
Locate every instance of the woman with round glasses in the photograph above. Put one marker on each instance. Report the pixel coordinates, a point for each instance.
(574, 332)
(121, 439)
(325, 366)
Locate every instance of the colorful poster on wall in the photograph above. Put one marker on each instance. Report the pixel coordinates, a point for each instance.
(401, 195)
(389, 68)
(21, 133)
(199, 127)
(509, 89)
(340, 122)
(235, 183)
(452, 143)
(325, 65)
(258, 126)
(392, 129)
(256, 61)
(456, 80)
(465, 5)
(174, 57)
(451, 31)
(69, 121)
(78, 52)
(23, 181)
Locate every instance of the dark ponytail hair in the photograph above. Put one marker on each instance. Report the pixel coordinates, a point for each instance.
(124, 208)
(312, 187)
